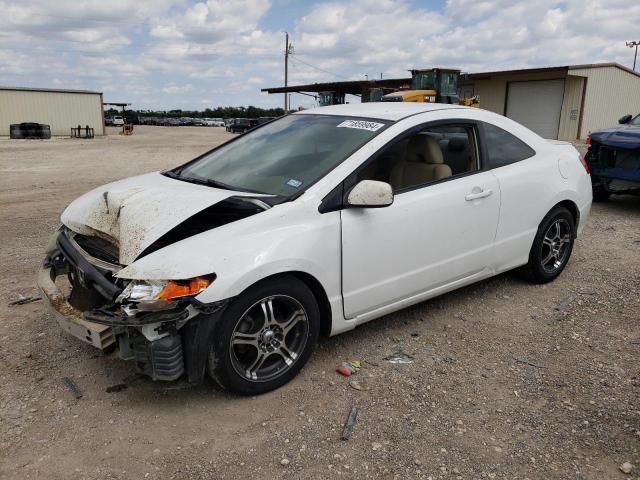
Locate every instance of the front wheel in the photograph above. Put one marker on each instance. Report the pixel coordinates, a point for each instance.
(551, 247)
(265, 336)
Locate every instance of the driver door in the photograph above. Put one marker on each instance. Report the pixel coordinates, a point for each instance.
(438, 233)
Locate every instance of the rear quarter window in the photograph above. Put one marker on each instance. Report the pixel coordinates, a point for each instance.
(503, 148)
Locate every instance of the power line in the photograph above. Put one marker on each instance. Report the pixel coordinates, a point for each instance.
(99, 20)
(295, 57)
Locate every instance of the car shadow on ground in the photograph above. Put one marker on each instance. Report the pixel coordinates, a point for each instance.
(626, 204)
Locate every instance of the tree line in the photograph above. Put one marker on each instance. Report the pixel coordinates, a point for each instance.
(219, 112)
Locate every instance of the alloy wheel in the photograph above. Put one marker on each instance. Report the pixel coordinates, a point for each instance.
(268, 338)
(555, 245)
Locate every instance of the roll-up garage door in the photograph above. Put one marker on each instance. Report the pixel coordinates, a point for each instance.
(536, 105)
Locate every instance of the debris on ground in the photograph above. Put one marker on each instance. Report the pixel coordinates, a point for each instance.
(399, 358)
(527, 362)
(24, 300)
(356, 385)
(626, 467)
(118, 387)
(348, 425)
(565, 303)
(347, 369)
(72, 387)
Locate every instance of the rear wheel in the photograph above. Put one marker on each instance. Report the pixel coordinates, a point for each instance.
(265, 336)
(551, 247)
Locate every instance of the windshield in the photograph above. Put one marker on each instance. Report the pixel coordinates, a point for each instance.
(449, 83)
(424, 81)
(285, 156)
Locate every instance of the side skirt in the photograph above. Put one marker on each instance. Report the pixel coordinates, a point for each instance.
(421, 297)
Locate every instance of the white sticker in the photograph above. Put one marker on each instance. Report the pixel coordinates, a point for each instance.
(295, 183)
(361, 125)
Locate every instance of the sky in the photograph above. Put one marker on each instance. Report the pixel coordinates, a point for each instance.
(166, 54)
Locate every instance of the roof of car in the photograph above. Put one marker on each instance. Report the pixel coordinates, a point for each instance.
(381, 110)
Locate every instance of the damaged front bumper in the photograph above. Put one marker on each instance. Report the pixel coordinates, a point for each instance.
(81, 291)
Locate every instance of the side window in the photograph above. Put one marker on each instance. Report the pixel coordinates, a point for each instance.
(429, 155)
(504, 148)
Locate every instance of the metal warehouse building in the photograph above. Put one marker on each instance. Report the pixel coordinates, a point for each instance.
(61, 109)
(563, 103)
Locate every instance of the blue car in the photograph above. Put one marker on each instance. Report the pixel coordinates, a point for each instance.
(614, 159)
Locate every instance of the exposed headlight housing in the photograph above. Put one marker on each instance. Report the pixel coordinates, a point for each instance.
(161, 294)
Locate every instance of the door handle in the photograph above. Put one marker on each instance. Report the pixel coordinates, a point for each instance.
(476, 196)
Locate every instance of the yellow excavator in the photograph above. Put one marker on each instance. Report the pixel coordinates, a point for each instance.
(432, 85)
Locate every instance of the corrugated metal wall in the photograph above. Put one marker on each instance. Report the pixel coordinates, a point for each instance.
(570, 114)
(493, 91)
(611, 93)
(61, 110)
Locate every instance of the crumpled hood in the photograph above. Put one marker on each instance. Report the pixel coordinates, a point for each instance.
(135, 212)
(625, 136)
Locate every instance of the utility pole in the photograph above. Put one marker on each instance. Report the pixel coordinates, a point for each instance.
(288, 50)
(635, 57)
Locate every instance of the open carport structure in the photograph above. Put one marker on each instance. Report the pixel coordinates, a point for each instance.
(360, 88)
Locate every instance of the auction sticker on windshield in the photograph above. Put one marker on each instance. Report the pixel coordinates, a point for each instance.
(361, 125)
(295, 183)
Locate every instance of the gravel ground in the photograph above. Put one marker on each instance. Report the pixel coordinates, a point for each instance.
(508, 380)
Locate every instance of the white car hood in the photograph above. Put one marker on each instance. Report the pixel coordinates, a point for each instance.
(135, 212)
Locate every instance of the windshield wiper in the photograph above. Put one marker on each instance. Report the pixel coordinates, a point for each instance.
(200, 181)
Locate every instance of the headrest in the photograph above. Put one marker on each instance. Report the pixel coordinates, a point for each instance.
(423, 148)
(457, 144)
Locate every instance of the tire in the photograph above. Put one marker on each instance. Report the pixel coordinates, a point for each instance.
(264, 337)
(551, 251)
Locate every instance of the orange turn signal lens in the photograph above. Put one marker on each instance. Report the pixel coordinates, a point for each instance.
(183, 288)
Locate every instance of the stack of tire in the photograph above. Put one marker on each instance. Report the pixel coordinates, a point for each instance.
(29, 130)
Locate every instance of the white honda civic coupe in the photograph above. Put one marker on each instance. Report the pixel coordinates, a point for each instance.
(236, 262)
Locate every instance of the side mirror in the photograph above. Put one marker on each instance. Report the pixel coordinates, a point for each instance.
(625, 119)
(371, 194)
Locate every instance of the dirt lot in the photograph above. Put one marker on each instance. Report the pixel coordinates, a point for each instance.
(510, 380)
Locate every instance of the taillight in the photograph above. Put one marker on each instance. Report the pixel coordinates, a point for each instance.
(588, 140)
(584, 164)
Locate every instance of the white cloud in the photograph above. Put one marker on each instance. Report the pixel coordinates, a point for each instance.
(175, 53)
(173, 88)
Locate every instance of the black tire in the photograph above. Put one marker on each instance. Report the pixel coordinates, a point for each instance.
(225, 362)
(541, 267)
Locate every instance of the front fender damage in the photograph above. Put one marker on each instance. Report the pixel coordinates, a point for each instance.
(105, 234)
(165, 345)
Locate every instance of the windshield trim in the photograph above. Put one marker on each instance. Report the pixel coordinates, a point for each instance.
(175, 171)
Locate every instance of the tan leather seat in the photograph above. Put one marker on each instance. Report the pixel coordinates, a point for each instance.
(423, 163)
